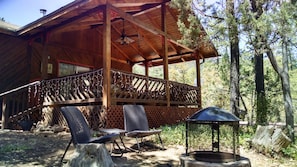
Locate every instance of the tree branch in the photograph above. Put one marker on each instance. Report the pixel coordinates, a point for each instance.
(206, 15)
(273, 61)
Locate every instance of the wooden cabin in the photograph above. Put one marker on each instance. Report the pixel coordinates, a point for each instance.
(83, 53)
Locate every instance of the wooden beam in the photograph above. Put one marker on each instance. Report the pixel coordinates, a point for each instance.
(146, 27)
(149, 42)
(165, 52)
(57, 14)
(138, 3)
(119, 49)
(106, 99)
(154, 22)
(198, 81)
(131, 45)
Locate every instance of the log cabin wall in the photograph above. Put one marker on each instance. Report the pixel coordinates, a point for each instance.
(14, 62)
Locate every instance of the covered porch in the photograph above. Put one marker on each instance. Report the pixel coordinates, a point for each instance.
(102, 41)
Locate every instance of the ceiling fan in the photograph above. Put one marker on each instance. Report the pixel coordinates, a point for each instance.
(124, 38)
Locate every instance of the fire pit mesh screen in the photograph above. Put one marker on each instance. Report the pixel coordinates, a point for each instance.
(201, 137)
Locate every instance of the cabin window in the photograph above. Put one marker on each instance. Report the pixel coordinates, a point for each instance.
(69, 69)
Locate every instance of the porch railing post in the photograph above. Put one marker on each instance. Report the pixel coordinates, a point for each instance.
(4, 114)
(198, 82)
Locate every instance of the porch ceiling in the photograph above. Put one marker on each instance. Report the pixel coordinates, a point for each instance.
(142, 22)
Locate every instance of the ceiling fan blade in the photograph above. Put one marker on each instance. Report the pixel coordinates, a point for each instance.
(134, 35)
(128, 40)
(125, 40)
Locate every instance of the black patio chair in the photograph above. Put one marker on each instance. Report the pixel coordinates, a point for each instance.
(136, 124)
(80, 131)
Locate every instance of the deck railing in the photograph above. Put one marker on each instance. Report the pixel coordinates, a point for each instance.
(20, 102)
(128, 87)
(86, 88)
(79, 88)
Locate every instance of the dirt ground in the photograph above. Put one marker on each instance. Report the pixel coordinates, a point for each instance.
(45, 149)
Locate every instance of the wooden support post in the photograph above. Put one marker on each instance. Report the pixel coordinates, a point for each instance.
(106, 57)
(4, 114)
(198, 82)
(165, 52)
(146, 68)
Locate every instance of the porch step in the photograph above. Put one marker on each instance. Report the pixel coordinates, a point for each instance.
(21, 115)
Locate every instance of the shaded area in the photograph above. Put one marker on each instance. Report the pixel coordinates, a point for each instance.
(45, 149)
(22, 149)
(26, 148)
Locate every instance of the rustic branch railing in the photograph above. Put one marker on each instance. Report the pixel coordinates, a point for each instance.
(86, 88)
(182, 94)
(128, 87)
(79, 88)
(20, 102)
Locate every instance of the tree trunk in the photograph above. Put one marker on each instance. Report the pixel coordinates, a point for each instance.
(261, 108)
(261, 111)
(234, 67)
(283, 73)
(287, 93)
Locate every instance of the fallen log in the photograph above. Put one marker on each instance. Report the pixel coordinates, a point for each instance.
(268, 139)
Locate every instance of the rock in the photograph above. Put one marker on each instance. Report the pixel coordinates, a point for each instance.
(57, 128)
(90, 155)
(269, 138)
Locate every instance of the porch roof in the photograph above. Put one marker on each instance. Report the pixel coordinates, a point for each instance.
(141, 23)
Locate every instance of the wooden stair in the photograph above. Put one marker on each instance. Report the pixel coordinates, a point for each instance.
(23, 114)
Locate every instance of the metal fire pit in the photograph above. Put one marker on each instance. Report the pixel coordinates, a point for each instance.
(212, 137)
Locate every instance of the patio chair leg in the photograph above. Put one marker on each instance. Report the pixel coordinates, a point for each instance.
(116, 143)
(138, 145)
(61, 161)
(123, 142)
(161, 141)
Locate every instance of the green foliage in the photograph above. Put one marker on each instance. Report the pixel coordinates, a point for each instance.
(290, 151)
(214, 89)
(13, 148)
(188, 23)
(183, 72)
(156, 72)
(245, 135)
(277, 21)
(173, 134)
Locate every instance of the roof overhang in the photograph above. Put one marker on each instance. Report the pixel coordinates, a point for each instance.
(87, 14)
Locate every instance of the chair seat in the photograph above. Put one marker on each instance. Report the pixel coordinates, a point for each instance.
(80, 131)
(142, 133)
(104, 139)
(136, 123)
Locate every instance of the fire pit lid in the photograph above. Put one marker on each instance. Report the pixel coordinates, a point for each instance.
(213, 114)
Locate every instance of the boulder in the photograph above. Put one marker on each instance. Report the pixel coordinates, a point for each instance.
(90, 155)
